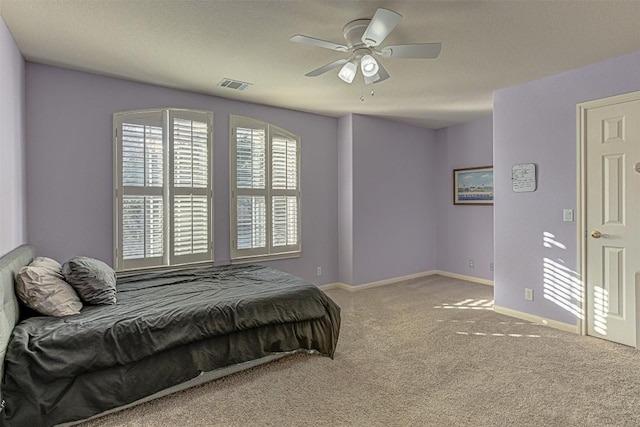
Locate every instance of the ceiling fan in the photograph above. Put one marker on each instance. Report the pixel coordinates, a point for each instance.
(363, 36)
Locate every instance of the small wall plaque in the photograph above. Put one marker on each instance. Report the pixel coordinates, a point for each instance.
(523, 177)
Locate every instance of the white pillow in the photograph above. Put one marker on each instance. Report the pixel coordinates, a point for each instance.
(40, 287)
(51, 265)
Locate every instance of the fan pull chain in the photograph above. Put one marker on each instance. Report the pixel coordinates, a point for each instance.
(362, 93)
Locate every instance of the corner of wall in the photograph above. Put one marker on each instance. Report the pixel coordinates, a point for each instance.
(12, 143)
(345, 199)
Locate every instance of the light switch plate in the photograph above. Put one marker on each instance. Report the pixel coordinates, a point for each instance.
(567, 215)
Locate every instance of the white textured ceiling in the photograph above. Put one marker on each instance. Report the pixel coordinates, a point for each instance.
(192, 45)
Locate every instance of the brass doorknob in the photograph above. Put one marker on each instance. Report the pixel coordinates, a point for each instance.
(596, 234)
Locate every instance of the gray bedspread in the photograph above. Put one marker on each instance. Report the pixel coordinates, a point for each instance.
(165, 329)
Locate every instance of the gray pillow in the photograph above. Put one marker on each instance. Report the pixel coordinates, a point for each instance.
(41, 288)
(92, 279)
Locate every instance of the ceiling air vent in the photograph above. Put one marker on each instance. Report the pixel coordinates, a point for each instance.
(234, 84)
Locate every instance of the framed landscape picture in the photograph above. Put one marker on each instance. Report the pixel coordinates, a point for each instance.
(473, 186)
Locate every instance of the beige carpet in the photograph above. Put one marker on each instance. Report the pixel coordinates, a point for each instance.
(421, 353)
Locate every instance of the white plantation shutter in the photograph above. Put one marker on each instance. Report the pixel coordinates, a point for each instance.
(191, 190)
(251, 178)
(284, 191)
(265, 194)
(163, 188)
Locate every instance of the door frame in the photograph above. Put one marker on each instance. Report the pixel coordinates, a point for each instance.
(581, 206)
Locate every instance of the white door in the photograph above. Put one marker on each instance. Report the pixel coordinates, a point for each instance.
(612, 192)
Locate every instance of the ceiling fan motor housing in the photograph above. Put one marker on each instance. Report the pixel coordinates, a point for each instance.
(353, 32)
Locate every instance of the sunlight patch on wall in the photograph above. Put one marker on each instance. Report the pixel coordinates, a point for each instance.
(549, 241)
(561, 285)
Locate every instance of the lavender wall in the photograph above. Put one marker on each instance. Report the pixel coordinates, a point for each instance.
(463, 232)
(394, 207)
(69, 158)
(536, 123)
(12, 143)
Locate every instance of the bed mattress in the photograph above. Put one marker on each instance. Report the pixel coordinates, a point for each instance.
(166, 328)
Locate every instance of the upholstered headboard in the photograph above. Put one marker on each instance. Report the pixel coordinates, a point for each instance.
(9, 311)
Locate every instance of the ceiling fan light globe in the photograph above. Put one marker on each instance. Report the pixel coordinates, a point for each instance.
(369, 66)
(348, 72)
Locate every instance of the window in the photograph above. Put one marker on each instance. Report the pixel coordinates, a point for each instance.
(265, 190)
(163, 188)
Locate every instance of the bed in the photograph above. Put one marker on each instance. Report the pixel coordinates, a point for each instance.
(168, 331)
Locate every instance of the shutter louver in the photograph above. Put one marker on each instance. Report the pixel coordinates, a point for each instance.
(251, 222)
(133, 227)
(191, 225)
(182, 225)
(285, 220)
(250, 158)
(142, 155)
(190, 154)
(284, 159)
(154, 226)
(142, 227)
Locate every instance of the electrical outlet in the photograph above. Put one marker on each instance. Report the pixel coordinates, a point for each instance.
(471, 263)
(528, 294)
(490, 266)
(319, 271)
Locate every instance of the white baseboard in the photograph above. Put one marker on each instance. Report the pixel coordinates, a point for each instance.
(463, 277)
(329, 286)
(353, 288)
(536, 319)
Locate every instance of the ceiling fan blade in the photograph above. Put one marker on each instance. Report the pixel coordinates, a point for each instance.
(380, 26)
(298, 38)
(325, 68)
(381, 75)
(417, 51)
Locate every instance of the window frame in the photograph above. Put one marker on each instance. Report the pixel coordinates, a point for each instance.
(168, 190)
(269, 252)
